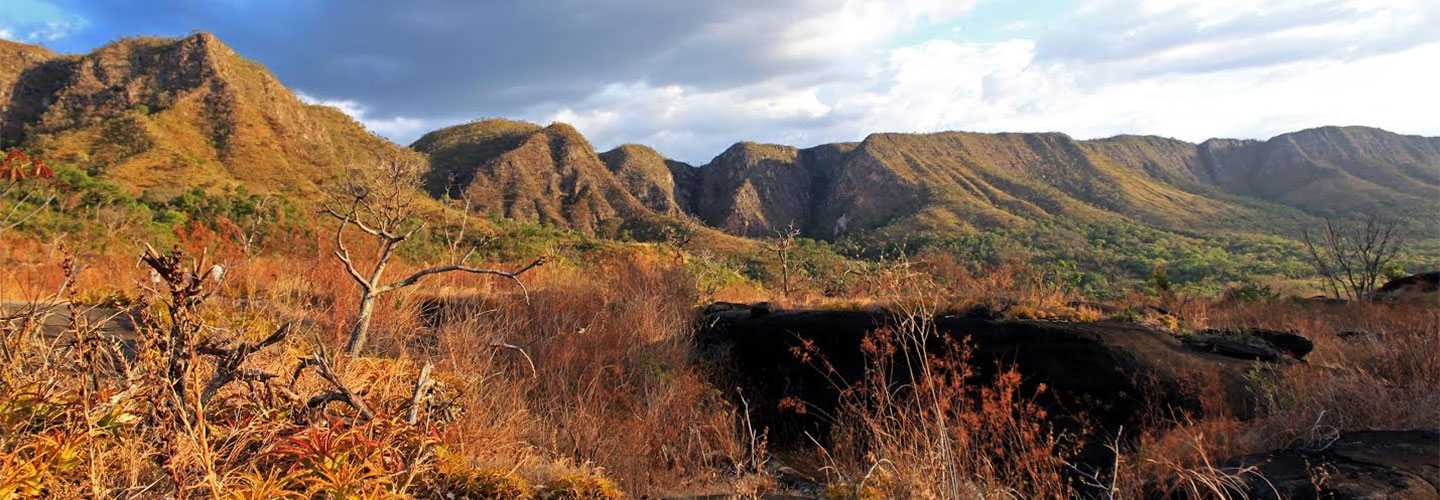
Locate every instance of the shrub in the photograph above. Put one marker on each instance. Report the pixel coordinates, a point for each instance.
(577, 487)
(480, 485)
(1249, 292)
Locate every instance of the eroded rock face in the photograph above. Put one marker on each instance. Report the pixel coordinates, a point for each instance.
(550, 174)
(167, 115)
(1113, 373)
(754, 190)
(649, 176)
(1357, 465)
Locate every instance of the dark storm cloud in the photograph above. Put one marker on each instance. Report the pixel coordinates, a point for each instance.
(690, 76)
(456, 57)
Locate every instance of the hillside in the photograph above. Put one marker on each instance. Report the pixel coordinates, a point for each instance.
(1331, 170)
(162, 116)
(523, 171)
(967, 182)
(908, 185)
(166, 115)
(650, 177)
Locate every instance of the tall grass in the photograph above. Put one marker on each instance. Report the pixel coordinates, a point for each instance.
(586, 383)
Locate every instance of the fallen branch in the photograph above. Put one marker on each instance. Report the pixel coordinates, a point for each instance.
(320, 361)
(228, 361)
(513, 347)
(423, 385)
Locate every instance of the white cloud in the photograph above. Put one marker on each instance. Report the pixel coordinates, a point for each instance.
(806, 72)
(37, 21)
(1186, 69)
(401, 129)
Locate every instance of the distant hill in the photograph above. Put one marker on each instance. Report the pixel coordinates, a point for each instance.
(652, 178)
(167, 114)
(951, 182)
(523, 171)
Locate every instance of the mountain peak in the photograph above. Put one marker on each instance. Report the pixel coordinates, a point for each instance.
(521, 170)
(749, 153)
(169, 114)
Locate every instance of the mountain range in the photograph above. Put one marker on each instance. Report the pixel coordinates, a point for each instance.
(163, 115)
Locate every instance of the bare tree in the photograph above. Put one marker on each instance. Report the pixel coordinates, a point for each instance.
(1351, 256)
(783, 245)
(457, 221)
(382, 202)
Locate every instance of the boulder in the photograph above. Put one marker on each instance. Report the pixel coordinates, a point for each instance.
(1415, 286)
(1252, 344)
(1111, 373)
(1357, 465)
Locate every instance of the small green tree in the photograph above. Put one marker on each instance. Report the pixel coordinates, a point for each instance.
(1164, 287)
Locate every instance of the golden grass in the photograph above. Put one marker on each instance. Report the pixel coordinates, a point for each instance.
(585, 384)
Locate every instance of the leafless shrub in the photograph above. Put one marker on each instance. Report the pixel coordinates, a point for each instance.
(383, 204)
(1351, 256)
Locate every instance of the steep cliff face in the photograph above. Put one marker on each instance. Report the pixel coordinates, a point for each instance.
(549, 174)
(755, 190)
(648, 176)
(169, 114)
(865, 186)
(1332, 170)
(27, 75)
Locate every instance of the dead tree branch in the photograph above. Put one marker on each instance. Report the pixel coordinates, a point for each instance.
(1352, 256)
(381, 204)
(342, 393)
(228, 361)
(423, 386)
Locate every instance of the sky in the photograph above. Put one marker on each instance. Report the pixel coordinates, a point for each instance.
(691, 77)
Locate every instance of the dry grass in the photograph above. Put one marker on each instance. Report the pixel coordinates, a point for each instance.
(1383, 379)
(611, 393)
(586, 384)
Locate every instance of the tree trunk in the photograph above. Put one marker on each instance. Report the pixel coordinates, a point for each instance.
(362, 325)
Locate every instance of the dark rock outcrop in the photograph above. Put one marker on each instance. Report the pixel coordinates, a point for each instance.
(1111, 372)
(1252, 344)
(1412, 286)
(1357, 465)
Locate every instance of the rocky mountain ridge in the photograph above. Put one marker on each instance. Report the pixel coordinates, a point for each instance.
(966, 182)
(168, 114)
(171, 114)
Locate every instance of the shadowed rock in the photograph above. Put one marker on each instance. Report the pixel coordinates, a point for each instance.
(1110, 374)
(1252, 344)
(1411, 287)
(1357, 465)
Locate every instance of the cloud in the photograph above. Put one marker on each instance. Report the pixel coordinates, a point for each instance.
(1135, 38)
(37, 21)
(1008, 86)
(692, 77)
(393, 127)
